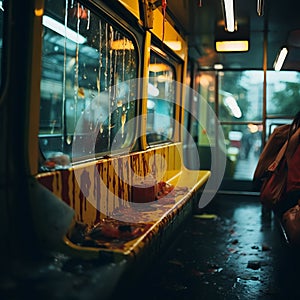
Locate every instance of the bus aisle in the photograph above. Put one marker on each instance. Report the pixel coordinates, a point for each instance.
(229, 250)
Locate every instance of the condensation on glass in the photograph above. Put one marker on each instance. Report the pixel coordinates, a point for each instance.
(161, 100)
(87, 63)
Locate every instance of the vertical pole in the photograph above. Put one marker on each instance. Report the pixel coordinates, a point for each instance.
(265, 65)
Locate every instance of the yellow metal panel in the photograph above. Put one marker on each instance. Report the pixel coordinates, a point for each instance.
(126, 177)
(178, 157)
(166, 32)
(132, 6)
(143, 119)
(171, 158)
(57, 185)
(104, 192)
(110, 185)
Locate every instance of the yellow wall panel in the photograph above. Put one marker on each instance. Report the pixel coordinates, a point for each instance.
(96, 189)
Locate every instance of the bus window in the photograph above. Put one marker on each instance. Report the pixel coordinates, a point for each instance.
(238, 107)
(240, 96)
(161, 99)
(283, 97)
(87, 64)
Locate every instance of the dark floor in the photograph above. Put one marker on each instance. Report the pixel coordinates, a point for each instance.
(228, 250)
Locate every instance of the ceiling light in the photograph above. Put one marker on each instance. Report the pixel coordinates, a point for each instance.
(229, 15)
(237, 41)
(260, 7)
(232, 46)
(63, 30)
(280, 59)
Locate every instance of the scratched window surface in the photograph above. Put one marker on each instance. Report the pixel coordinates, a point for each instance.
(86, 94)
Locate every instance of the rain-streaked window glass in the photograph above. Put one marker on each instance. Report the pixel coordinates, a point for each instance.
(283, 93)
(86, 92)
(161, 100)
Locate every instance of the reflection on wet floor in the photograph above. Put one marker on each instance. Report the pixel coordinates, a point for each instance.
(229, 250)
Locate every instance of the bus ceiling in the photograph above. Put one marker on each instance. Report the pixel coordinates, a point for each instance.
(267, 29)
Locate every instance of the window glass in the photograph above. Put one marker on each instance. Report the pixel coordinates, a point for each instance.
(283, 97)
(239, 107)
(161, 99)
(271, 124)
(240, 95)
(198, 122)
(205, 88)
(87, 63)
(243, 147)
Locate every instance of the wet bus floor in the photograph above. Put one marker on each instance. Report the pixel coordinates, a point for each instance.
(231, 249)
